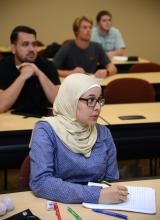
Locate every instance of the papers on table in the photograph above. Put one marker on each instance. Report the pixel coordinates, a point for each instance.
(120, 58)
(140, 199)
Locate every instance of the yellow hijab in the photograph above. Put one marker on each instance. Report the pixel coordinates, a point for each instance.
(76, 136)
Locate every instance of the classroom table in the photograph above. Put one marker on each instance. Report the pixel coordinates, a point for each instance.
(135, 138)
(124, 66)
(26, 200)
(120, 61)
(151, 77)
(4, 49)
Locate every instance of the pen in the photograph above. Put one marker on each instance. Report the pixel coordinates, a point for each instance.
(74, 214)
(105, 182)
(118, 215)
(57, 211)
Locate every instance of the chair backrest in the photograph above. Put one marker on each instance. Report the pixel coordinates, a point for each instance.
(144, 67)
(128, 90)
(24, 173)
(39, 43)
(68, 41)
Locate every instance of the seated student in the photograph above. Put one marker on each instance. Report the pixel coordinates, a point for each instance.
(109, 37)
(82, 55)
(70, 149)
(26, 81)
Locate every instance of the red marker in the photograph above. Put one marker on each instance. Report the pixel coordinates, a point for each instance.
(57, 211)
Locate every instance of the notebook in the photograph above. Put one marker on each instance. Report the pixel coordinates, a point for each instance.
(140, 199)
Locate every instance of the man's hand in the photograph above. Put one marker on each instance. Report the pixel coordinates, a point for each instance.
(29, 69)
(101, 73)
(78, 70)
(26, 70)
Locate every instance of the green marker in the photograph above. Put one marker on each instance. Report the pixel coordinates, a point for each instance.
(74, 213)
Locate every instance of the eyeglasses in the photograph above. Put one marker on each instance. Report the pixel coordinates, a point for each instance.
(91, 102)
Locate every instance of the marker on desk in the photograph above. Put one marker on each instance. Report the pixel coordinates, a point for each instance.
(118, 215)
(74, 214)
(57, 211)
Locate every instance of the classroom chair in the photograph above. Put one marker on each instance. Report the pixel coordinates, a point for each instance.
(68, 41)
(144, 67)
(128, 90)
(39, 43)
(24, 173)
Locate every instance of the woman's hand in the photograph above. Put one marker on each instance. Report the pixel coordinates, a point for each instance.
(113, 194)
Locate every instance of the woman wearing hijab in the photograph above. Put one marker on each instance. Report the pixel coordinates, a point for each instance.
(70, 149)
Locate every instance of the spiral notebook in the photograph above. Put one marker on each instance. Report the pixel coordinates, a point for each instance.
(140, 199)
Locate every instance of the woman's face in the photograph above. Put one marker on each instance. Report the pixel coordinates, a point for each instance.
(87, 113)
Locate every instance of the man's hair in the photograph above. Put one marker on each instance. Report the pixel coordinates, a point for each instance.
(103, 13)
(77, 23)
(18, 29)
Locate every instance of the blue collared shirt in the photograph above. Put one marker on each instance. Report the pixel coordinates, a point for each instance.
(111, 41)
(59, 174)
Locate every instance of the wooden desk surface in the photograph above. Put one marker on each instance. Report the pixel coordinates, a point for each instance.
(152, 77)
(11, 122)
(25, 200)
(111, 112)
(8, 49)
(140, 60)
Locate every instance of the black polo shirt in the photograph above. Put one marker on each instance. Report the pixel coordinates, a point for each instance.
(32, 96)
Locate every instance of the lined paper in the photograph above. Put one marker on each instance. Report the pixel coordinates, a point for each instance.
(140, 199)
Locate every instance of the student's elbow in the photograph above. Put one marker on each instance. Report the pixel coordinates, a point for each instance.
(3, 108)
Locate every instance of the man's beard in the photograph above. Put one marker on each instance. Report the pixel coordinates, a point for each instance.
(27, 58)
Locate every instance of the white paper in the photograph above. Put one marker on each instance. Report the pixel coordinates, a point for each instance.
(140, 199)
(120, 58)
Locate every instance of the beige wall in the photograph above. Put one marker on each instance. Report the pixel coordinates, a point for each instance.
(138, 21)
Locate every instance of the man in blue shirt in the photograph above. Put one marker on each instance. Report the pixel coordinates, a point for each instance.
(109, 37)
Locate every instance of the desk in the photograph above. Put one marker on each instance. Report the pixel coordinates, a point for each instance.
(124, 66)
(140, 60)
(8, 49)
(152, 77)
(135, 139)
(25, 200)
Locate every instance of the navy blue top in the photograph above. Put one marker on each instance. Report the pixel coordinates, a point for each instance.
(90, 59)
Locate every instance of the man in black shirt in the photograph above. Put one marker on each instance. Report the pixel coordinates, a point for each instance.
(27, 83)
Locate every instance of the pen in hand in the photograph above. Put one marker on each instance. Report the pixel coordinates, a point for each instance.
(107, 183)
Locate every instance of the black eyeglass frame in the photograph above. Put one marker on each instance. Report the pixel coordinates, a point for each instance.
(91, 102)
